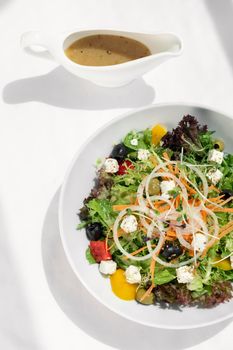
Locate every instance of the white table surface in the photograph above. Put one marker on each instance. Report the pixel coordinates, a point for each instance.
(46, 114)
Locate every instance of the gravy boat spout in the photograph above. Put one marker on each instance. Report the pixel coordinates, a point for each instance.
(162, 46)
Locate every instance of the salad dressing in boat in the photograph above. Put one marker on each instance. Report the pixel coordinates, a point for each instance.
(105, 50)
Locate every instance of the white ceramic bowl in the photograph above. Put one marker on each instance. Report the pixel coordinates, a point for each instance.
(77, 185)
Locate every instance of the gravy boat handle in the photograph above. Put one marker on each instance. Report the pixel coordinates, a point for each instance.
(37, 44)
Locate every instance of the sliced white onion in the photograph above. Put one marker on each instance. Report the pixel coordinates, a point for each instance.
(181, 239)
(186, 262)
(140, 193)
(173, 177)
(201, 176)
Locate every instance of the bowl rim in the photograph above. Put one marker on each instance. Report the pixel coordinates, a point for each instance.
(61, 201)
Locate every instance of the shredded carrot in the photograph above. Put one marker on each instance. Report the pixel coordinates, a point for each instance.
(190, 189)
(170, 238)
(119, 207)
(204, 215)
(166, 157)
(191, 252)
(223, 210)
(229, 224)
(152, 267)
(147, 292)
(177, 201)
(111, 246)
(216, 199)
(225, 232)
(171, 233)
(106, 243)
(120, 232)
(159, 202)
(139, 250)
(227, 200)
(188, 237)
(212, 187)
(194, 202)
(163, 208)
(176, 170)
(152, 271)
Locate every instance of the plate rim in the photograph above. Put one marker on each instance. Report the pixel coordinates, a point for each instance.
(60, 211)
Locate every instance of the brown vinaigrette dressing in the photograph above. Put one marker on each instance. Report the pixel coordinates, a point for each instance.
(105, 50)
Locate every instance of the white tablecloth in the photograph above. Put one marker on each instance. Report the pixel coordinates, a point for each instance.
(46, 114)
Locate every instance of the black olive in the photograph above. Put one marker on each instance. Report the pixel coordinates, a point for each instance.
(171, 251)
(94, 231)
(119, 152)
(227, 193)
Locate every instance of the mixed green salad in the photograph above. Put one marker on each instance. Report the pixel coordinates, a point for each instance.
(160, 216)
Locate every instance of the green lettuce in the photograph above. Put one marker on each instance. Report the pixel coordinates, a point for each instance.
(89, 257)
(144, 139)
(101, 211)
(196, 284)
(164, 276)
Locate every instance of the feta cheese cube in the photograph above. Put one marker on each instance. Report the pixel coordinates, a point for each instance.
(111, 165)
(231, 259)
(185, 274)
(215, 156)
(107, 267)
(143, 154)
(199, 242)
(214, 176)
(134, 142)
(167, 186)
(133, 275)
(129, 224)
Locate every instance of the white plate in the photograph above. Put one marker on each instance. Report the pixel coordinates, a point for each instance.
(77, 185)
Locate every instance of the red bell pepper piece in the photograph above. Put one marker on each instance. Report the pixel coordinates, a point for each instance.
(124, 166)
(99, 251)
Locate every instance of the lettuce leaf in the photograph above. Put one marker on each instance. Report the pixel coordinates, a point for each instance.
(101, 211)
(121, 194)
(164, 276)
(89, 257)
(196, 284)
(140, 138)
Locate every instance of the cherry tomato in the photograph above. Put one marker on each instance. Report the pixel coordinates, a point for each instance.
(124, 166)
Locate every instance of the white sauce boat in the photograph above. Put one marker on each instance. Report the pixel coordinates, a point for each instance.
(163, 46)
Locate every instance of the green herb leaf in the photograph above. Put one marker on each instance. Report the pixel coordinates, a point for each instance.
(89, 257)
(164, 276)
(101, 211)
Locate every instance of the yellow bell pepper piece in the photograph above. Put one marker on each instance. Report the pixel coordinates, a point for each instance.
(158, 132)
(223, 265)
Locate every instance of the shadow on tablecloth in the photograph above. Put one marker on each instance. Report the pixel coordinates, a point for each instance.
(62, 89)
(221, 13)
(17, 326)
(94, 318)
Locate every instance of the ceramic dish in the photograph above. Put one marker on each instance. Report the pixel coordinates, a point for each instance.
(77, 185)
(163, 46)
